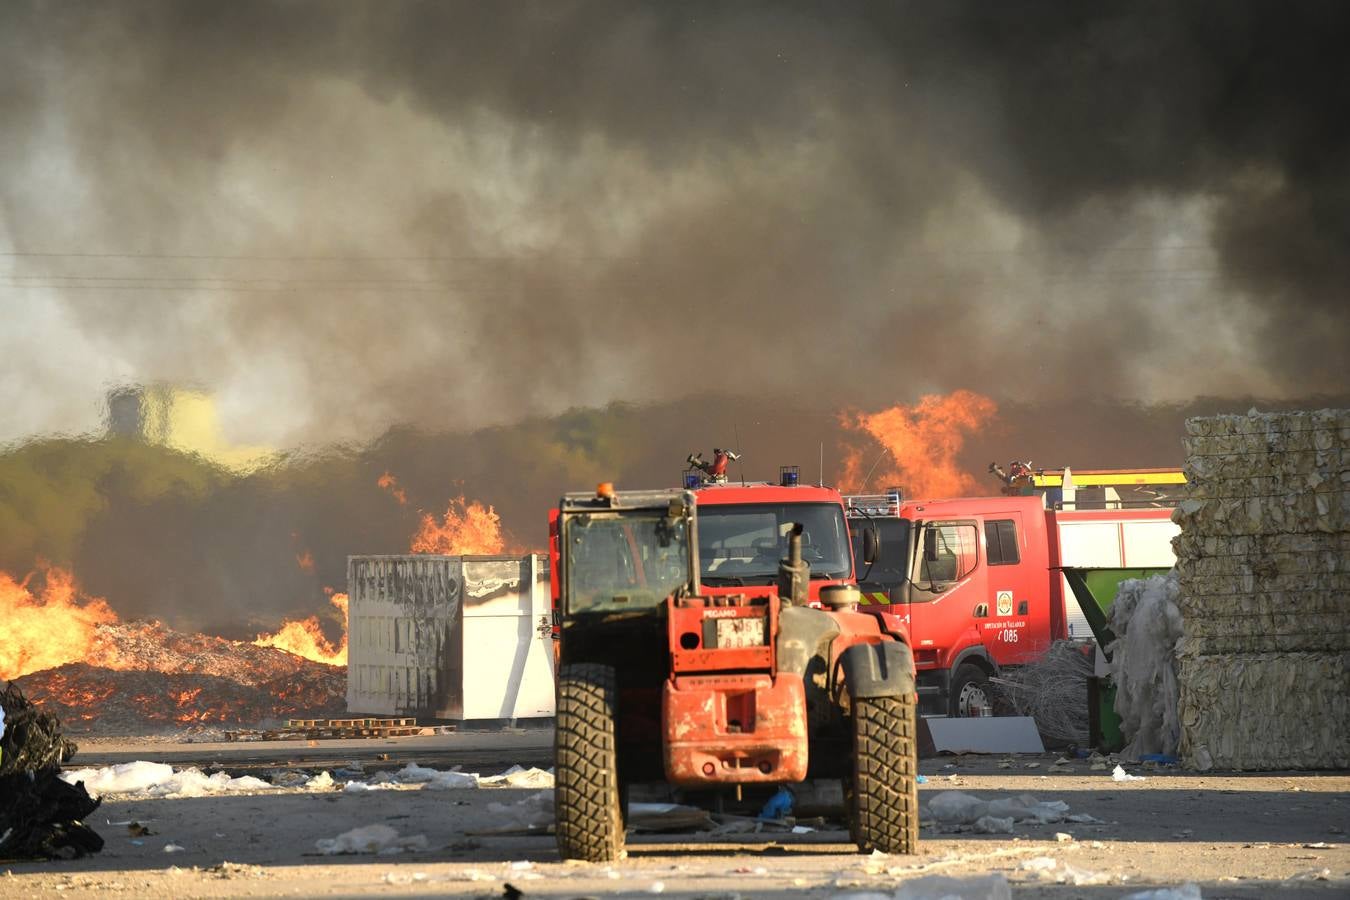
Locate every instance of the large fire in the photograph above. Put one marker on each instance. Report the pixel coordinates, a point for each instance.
(305, 637)
(919, 445)
(469, 528)
(47, 629)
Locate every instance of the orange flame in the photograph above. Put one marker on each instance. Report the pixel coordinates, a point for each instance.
(920, 443)
(49, 630)
(469, 528)
(305, 637)
(390, 484)
(305, 560)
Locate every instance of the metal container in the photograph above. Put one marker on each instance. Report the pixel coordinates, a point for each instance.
(449, 637)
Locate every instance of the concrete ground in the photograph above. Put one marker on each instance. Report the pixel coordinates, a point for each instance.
(1236, 836)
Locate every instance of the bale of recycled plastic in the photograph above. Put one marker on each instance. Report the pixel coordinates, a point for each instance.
(41, 816)
(1263, 569)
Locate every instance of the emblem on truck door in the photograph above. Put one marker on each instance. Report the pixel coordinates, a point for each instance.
(1005, 603)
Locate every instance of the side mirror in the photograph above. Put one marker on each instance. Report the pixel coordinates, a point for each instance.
(871, 545)
(930, 552)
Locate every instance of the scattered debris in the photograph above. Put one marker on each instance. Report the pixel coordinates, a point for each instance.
(984, 887)
(520, 777)
(380, 839)
(1049, 869)
(954, 811)
(171, 847)
(1311, 875)
(779, 805)
(1185, 892)
(229, 869)
(42, 815)
(149, 779)
(992, 825)
(1119, 774)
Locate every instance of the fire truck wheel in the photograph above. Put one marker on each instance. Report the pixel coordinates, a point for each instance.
(884, 794)
(587, 800)
(970, 691)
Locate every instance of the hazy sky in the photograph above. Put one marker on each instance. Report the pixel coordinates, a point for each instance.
(342, 216)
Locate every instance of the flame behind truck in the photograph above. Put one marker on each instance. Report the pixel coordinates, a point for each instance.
(711, 639)
(978, 580)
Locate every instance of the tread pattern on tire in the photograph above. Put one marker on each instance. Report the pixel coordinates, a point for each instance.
(885, 790)
(586, 799)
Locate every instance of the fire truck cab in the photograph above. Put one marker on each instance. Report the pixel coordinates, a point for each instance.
(978, 579)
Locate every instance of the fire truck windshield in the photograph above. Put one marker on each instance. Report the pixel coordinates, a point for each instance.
(621, 561)
(891, 568)
(742, 544)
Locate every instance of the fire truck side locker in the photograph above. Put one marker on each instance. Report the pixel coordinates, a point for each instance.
(1127, 539)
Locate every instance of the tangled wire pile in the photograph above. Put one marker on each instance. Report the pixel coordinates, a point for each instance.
(1053, 691)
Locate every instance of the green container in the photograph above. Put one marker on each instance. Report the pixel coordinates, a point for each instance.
(1103, 723)
(1096, 589)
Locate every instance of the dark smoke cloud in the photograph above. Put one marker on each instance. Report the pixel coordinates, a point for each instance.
(520, 207)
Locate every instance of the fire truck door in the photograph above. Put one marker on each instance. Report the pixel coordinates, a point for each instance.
(948, 584)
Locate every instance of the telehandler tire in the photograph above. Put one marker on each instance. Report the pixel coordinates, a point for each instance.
(587, 799)
(884, 794)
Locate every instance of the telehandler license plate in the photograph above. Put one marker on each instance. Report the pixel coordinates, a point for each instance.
(748, 632)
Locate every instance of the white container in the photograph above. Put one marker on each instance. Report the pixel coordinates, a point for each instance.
(449, 637)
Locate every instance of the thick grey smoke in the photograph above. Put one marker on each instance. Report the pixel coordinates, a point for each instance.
(460, 237)
(341, 216)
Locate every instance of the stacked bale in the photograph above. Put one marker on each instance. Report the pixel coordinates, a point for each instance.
(1263, 562)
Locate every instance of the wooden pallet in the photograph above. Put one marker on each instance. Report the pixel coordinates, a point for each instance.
(303, 733)
(350, 723)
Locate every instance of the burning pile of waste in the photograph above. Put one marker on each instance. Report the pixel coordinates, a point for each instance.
(144, 677)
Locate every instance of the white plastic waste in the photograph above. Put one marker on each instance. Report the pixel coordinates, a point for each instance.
(1119, 774)
(152, 779)
(1147, 619)
(412, 773)
(933, 887)
(1049, 869)
(446, 781)
(519, 776)
(379, 839)
(992, 825)
(1185, 892)
(940, 887)
(319, 782)
(955, 810)
(535, 811)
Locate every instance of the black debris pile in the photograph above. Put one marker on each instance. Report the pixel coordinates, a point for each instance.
(41, 816)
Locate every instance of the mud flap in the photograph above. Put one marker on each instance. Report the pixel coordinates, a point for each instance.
(879, 670)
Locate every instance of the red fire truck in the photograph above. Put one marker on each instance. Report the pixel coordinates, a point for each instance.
(978, 579)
